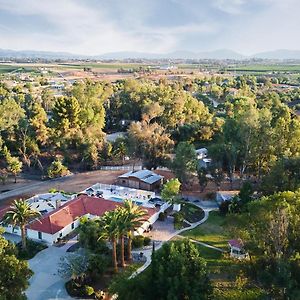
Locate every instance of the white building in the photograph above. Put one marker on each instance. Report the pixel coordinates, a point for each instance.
(57, 222)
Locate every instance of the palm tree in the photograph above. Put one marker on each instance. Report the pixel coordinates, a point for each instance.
(134, 218)
(110, 224)
(20, 214)
(124, 226)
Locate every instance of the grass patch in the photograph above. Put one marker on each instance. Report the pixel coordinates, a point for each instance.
(209, 254)
(212, 232)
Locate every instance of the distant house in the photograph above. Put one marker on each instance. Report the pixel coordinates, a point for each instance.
(201, 153)
(203, 160)
(142, 179)
(222, 196)
(237, 249)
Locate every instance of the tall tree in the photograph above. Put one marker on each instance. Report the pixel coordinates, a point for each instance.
(150, 143)
(110, 223)
(135, 216)
(66, 118)
(170, 191)
(15, 273)
(20, 214)
(38, 119)
(185, 162)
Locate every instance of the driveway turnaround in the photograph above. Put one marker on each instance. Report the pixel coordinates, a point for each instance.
(46, 284)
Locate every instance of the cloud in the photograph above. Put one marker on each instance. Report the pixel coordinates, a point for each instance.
(99, 26)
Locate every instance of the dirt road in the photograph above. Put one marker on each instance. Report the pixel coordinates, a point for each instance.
(74, 183)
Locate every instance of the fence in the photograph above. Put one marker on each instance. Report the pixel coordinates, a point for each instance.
(128, 168)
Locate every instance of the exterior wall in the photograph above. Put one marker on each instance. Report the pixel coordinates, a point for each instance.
(52, 238)
(34, 235)
(122, 181)
(133, 183)
(145, 186)
(11, 229)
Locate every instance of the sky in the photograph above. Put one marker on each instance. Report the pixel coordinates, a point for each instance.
(93, 27)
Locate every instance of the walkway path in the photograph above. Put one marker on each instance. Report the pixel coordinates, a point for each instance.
(147, 253)
(202, 244)
(46, 282)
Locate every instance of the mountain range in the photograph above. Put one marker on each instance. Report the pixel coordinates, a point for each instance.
(280, 54)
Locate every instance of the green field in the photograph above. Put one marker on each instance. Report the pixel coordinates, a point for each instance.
(265, 68)
(10, 68)
(101, 66)
(211, 232)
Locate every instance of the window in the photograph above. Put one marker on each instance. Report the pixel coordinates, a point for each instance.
(72, 226)
(40, 235)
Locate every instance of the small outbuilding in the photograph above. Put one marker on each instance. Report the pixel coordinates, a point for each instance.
(142, 179)
(237, 249)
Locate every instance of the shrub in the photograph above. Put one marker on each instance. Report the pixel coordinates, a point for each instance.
(138, 241)
(147, 241)
(89, 290)
(32, 249)
(97, 265)
(178, 220)
(224, 207)
(162, 216)
(57, 169)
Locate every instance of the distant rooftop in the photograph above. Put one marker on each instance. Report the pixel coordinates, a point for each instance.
(146, 176)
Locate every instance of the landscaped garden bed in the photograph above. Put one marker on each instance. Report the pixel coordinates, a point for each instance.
(32, 249)
(191, 212)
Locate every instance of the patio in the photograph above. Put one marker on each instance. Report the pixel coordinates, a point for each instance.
(162, 230)
(120, 193)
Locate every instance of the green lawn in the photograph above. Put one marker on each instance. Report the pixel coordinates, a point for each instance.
(211, 232)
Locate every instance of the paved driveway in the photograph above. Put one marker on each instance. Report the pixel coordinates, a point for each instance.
(46, 283)
(12, 237)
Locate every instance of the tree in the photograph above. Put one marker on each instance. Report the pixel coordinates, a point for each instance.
(38, 119)
(171, 190)
(15, 273)
(134, 217)
(270, 230)
(57, 169)
(66, 117)
(202, 178)
(48, 99)
(181, 269)
(20, 214)
(185, 162)
(283, 176)
(150, 143)
(14, 166)
(110, 224)
(10, 114)
(89, 234)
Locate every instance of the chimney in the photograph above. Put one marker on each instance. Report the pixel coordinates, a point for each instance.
(58, 203)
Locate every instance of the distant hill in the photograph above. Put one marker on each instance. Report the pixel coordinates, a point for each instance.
(7, 53)
(279, 54)
(216, 54)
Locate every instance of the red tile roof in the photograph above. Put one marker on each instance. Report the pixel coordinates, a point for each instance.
(74, 209)
(236, 243)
